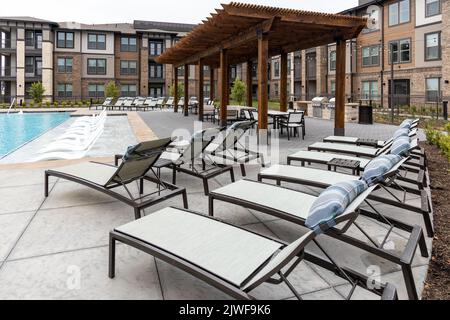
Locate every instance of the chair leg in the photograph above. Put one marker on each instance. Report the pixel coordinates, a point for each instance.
(206, 186)
(185, 200)
(174, 175)
(232, 174)
(46, 185)
(244, 173)
(112, 257)
(409, 282)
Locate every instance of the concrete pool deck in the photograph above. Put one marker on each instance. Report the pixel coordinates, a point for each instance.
(57, 247)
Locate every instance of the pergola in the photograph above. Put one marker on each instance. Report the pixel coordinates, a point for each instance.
(239, 33)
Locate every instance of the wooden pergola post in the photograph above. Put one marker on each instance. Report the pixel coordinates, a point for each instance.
(186, 90)
(283, 82)
(212, 85)
(175, 89)
(263, 56)
(249, 82)
(339, 129)
(201, 95)
(224, 84)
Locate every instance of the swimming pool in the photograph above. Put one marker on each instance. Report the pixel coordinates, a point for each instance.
(19, 129)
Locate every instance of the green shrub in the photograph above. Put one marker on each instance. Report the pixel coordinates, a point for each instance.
(36, 91)
(56, 104)
(63, 104)
(40, 104)
(112, 90)
(238, 91)
(447, 127)
(47, 104)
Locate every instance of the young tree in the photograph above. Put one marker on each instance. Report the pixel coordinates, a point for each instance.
(36, 91)
(238, 91)
(112, 90)
(180, 90)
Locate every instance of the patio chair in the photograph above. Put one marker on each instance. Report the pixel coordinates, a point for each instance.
(152, 104)
(106, 104)
(364, 142)
(160, 102)
(294, 122)
(323, 179)
(294, 206)
(228, 147)
(134, 168)
(232, 116)
(169, 103)
(128, 104)
(233, 260)
(186, 160)
(140, 104)
(181, 105)
(118, 105)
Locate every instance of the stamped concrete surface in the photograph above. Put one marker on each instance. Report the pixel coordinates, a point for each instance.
(57, 247)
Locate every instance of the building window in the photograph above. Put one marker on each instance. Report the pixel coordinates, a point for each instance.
(65, 40)
(206, 90)
(29, 38)
(65, 65)
(128, 67)
(156, 47)
(432, 7)
(233, 73)
(156, 71)
(370, 90)
(96, 66)
(433, 89)
(433, 46)
(128, 44)
(371, 56)
(254, 70)
(96, 41)
(333, 60)
(64, 90)
(400, 50)
(333, 88)
(276, 69)
(128, 90)
(399, 12)
(29, 64)
(96, 90)
(277, 89)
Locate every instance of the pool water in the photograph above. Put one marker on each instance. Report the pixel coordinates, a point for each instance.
(19, 129)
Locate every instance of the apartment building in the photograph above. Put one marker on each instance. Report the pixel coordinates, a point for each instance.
(26, 55)
(76, 61)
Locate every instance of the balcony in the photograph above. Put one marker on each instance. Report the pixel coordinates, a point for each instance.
(6, 45)
(7, 73)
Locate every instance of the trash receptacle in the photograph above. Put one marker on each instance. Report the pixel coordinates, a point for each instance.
(365, 113)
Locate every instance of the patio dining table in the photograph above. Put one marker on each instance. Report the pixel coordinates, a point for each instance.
(276, 116)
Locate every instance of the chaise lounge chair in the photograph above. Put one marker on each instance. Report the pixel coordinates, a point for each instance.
(294, 206)
(229, 258)
(134, 168)
(228, 146)
(106, 104)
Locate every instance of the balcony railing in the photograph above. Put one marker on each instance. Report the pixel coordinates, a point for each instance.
(7, 72)
(6, 44)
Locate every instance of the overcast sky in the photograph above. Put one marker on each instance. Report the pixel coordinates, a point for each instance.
(106, 11)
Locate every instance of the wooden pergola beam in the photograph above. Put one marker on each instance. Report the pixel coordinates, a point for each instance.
(232, 42)
(186, 90)
(224, 85)
(339, 129)
(283, 82)
(212, 84)
(263, 56)
(176, 98)
(201, 95)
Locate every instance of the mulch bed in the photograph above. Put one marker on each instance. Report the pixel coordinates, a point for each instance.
(437, 286)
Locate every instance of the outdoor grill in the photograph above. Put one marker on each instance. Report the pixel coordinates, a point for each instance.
(318, 104)
(332, 108)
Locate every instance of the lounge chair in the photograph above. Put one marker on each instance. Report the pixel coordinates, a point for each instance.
(294, 206)
(169, 102)
(229, 258)
(181, 105)
(118, 105)
(363, 142)
(323, 179)
(106, 104)
(160, 102)
(134, 168)
(228, 147)
(128, 104)
(152, 103)
(186, 160)
(138, 104)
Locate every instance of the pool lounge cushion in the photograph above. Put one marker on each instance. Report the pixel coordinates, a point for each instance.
(403, 132)
(406, 124)
(378, 167)
(401, 146)
(332, 203)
